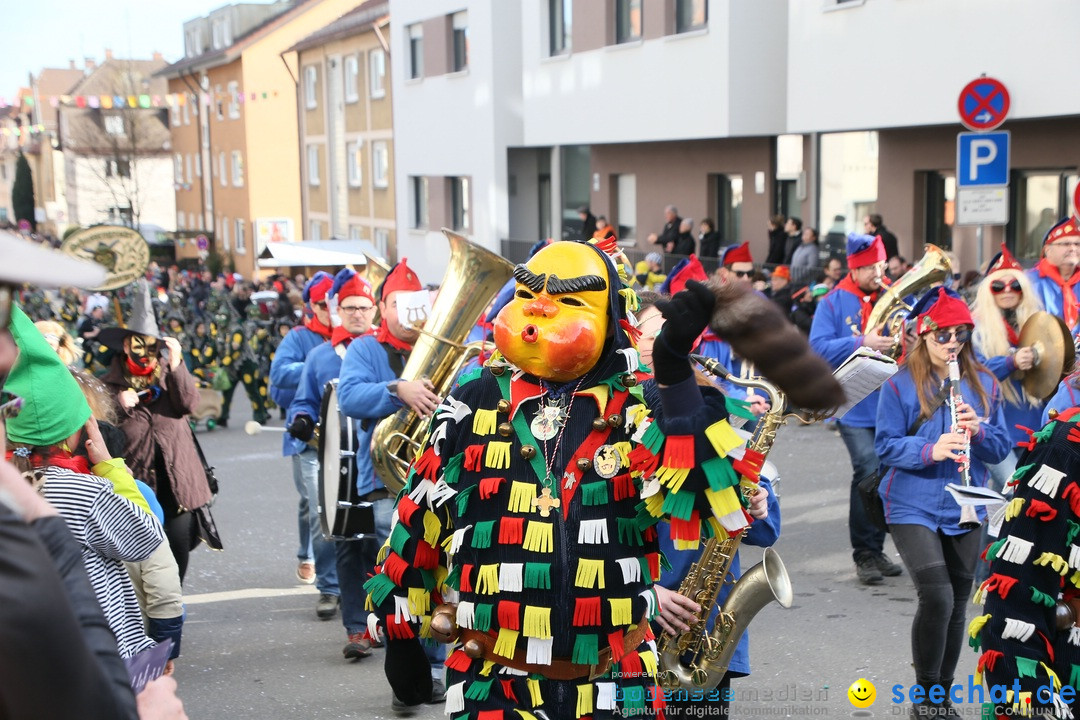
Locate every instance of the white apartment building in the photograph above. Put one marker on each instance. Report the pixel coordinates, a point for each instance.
(508, 116)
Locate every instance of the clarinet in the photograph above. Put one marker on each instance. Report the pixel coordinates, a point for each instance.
(969, 519)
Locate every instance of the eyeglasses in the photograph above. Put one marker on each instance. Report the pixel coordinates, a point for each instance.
(943, 337)
(999, 286)
(355, 308)
(742, 273)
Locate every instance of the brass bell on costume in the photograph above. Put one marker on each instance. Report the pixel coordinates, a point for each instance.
(528, 452)
(628, 380)
(503, 406)
(506, 429)
(614, 421)
(444, 627)
(584, 464)
(599, 424)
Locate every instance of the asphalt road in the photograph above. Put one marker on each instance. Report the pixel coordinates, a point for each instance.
(253, 647)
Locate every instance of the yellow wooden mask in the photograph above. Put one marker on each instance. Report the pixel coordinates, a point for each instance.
(556, 324)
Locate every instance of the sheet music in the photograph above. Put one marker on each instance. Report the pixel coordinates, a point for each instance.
(862, 373)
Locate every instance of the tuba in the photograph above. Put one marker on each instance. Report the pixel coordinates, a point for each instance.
(698, 659)
(122, 251)
(891, 311)
(473, 277)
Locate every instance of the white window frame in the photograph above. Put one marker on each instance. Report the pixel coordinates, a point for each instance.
(114, 125)
(380, 164)
(179, 219)
(377, 73)
(311, 86)
(223, 169)
(198, 164)
(184, 110)
(354, 155)
(313, 165)
(352, 78)
(226, 242)
(218, 103)
(241, 237)
(237, 162)
(174, 115)
(418, 189)
(356, 232)
(187, 168)
(178, 169)
(314, 230)
(233, 89)
(459, 21)
(414, 37)
(381, 238)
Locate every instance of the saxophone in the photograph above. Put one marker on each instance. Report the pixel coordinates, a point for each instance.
(699, 658)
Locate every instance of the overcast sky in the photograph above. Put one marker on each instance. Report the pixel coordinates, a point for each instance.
(48, 33)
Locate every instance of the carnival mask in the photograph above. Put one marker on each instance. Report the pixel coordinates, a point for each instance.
(142, 350)
(556, 325)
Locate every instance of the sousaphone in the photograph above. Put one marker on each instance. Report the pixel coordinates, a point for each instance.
(1055, 354)
(123, 253)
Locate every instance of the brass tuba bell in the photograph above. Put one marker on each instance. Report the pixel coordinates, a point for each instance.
(891, 311)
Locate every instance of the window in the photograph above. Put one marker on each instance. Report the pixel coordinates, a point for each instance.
(311, 86)
(241, 236)
(691, 15)
(237, 168)
(219, 102)
(1039, 200)
(174, 115)
(178, 169)
(314, 230)
(626, 205)
(234, 100)
(418, 191)
(380, 160)
(184, 110)
(118, 168)
(356, 232)
(382, 241)
(377, 69)
(198, 165)
(187, 168)
(313, 165)
(356, 175)
(460, 42)
(114, 125)
(225, 242)
(222, 173)
(459, 203)
(416, 51)
(627, 21)
(180, 220)
(559, 25)
(352, 73)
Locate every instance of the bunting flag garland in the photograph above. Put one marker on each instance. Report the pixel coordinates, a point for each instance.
(169, 100)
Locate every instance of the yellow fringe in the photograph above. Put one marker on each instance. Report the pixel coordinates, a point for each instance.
(487, 667)
(724, 502)
(672, 478)
(521, 496)
(485, 421)
(534, 692)
(622, 612)
(497, 456)
(1013, 508)
(584, 699)
(432, 528)
(1052, 675)
(623, 448)
(537, 622)
(977, 624)
(419, 601)
(723, 437)
(590, 573)
(487, 580)
(648, 661)
(538, 537)
(1058, 563)
(506, 643)
(655, 504)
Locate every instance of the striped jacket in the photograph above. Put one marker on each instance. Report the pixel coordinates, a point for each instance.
(110, 530)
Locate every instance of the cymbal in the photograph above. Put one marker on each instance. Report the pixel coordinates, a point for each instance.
(1055, 353)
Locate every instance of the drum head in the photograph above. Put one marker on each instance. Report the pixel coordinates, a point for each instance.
(329, 458)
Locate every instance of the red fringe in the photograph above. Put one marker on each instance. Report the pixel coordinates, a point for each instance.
(394, 567)
(397, 630)
(632, 331)
(679, 451)
(511, 530)
(459, 661)
(465, 583)
(686, 529)
(649, 533)
(1038, 508)
(623, 486)
(508, 690)
(405, 508)
(643, 461)
(490, 486)
(1074, 434)
(427, 464)
(988, 659)
(615, 642)
(426, 557)
(653, 561)
(1072, 494)
(489, 715)
(509, 615)
(1001, 584)
(586, 611)
(749, 465)
(1030, 443)
(473, 455)
(630, 665)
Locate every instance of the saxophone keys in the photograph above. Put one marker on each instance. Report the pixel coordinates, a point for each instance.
(699, 677)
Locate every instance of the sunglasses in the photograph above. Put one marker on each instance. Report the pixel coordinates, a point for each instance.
(999, 286)
(742, 273)
(943, 337)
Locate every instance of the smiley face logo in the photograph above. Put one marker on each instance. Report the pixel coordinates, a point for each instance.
(862, 693)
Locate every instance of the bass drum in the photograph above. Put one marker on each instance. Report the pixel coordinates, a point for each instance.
(341, 513)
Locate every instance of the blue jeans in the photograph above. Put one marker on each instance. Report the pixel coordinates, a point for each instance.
(866, 539)
(356, 561)
(313, 546)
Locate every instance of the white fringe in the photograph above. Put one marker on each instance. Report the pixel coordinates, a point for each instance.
(605, 696)
(538, 651)
(455, 698)
(437, 438)
(640, 432)
(440, 493)
(1061, 708)
(593, 532)
(1074, 636)
(457, 539)
(1074, 556)
(650, 602)
(631, 569)
(465, 614)
(510, 575)
(420, 492)
(401, 610)
(456, 409)
(1015, 550)
(373, 628)
(1017, 629)
(504, 670)
(1047, 480)
(631, 357)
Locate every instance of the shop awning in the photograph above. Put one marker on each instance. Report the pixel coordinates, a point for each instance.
(317, 253)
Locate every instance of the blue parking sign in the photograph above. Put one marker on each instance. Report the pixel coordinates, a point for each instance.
(982, 159)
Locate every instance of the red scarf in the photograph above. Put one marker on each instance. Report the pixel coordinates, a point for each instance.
(57, 458)
(138, 370)
(1014, 338)
(314, 325)
(385, 336)
(866, 302)
(341, 335)
(1068, 295)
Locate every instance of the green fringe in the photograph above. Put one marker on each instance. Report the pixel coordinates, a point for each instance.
(454, 578)
(453, 469)
(653, 438)
(378, 587)
(463, 499)
(399, 537)
(537, 576)
(479, 690)
(679, 505)
(586, 650)
(1074, 530)
(428, 576)
(1044, 434)
(481, 534)
(1026, 667)
(719, 473)
(466, 378)
(482, 616)
(738, 408)
(665, 564)
(629, 531)
(1074, 675)
(1018, 474)
(633, 700)
(1039, 597)
(594, 493)
(994, 549)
